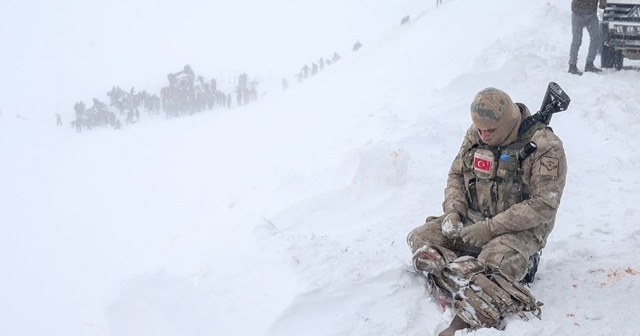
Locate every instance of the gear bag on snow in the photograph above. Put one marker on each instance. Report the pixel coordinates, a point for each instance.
(481, 296)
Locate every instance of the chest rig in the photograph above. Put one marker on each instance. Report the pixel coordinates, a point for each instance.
(494, 175)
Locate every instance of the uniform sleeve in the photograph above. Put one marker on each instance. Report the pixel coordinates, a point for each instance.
(455, 199)
(547, 168)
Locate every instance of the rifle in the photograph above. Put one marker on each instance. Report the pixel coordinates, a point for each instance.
(555, 100)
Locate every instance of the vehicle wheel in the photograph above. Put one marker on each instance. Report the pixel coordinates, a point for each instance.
(618, 60)
(607, 57)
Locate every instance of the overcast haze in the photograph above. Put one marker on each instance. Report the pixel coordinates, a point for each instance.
(56, 53)
(289, 215)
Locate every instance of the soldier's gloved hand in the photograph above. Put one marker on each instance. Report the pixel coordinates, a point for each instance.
(451, 225)
(477, 234)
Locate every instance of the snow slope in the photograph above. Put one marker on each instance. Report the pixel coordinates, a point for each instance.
(289, 215)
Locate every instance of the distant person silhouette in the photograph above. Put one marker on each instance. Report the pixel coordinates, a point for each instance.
(335, 58)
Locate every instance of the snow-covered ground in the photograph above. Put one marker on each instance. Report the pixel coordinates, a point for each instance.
(289, 216)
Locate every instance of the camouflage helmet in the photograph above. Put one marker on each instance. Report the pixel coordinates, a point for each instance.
(493, 109)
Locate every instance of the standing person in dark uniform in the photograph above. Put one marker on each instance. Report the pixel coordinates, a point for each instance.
(584, 13)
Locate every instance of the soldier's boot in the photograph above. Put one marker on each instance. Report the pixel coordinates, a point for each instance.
(456, 324)
(589, 67)
(428, 259)
(573, 69)
(532, 269)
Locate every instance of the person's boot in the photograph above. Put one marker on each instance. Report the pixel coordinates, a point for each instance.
(456, 324)
(589, 67)
(428, 259)
(573, 69)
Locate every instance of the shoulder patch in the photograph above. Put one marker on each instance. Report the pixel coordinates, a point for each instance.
(549, 166)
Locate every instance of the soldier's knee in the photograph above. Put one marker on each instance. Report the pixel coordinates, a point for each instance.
(415, 239)
(515, 266)
(509, 261)
(429, 232)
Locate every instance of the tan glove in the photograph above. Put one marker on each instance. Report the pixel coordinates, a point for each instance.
(451, 225)
(477, 234)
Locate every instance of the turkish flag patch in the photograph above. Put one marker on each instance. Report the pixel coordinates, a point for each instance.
(482, 163)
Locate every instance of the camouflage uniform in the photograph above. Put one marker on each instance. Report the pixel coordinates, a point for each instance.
(518, 227)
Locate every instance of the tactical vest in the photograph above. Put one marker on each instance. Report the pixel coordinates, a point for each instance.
(494, 175)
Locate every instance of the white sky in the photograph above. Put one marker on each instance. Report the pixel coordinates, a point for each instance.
(289, 215)
(72, 50)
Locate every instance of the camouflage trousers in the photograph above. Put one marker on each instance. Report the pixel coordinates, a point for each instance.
(508, 253)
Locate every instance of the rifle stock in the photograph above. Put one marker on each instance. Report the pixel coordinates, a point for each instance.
(555, 100)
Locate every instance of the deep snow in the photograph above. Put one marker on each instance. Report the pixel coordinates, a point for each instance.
(289, 216)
